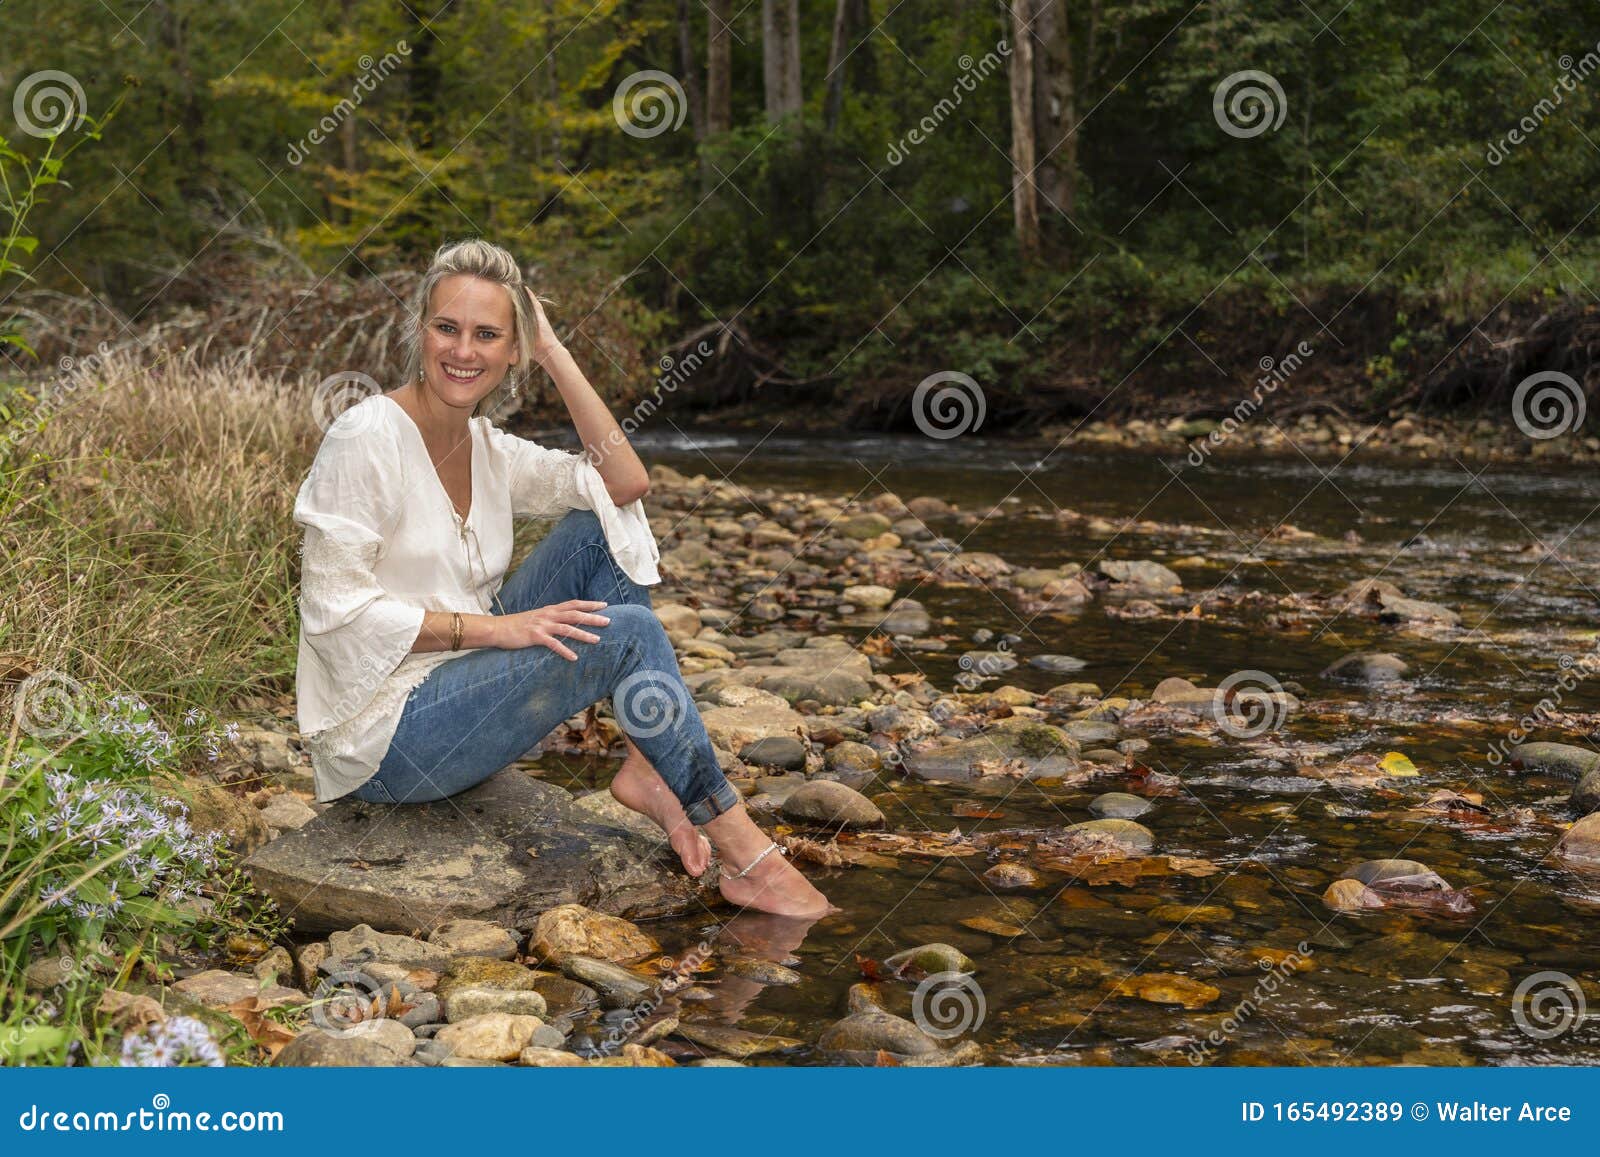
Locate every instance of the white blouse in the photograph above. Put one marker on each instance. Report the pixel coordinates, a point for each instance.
(383, 544)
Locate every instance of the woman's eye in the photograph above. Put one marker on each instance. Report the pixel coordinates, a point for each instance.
(487, 334)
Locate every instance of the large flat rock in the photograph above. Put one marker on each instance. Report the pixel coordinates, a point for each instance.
(505, 851)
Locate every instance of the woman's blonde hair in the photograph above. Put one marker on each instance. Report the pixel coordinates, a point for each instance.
(477, 258)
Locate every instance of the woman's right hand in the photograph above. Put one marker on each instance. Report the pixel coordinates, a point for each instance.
(547, 626)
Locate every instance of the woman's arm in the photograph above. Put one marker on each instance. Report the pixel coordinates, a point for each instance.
(604, 441)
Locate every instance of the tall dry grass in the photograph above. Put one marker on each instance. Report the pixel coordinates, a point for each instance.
(145, 533)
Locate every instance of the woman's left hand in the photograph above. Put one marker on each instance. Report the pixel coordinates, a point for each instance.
(545, 342)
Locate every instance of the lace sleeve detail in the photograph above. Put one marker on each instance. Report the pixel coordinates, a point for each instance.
(544, 481)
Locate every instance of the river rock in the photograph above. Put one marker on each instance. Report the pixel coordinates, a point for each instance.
(493, 1036)
(863, 526)
(485, 972)
(391, 1034)
(781, 751)
(365, 945)
(1387, 601)
(466, 1003)
(1580, 846)
(1586, 796)
(871, 1030)
(1119, 805)
(734, 1042)
(474, 938)
(874, 598)
(617, 986)
(317, 1049)
(830, 688)
(217, 989)
(850, 756)
(1057, 664)
(1037, 748)
(504, 851)
(905, 617)
(1563, 760)
(678, 619)
(832, 805)
(1367, 667)
(573, 930)
(286, 812)
(606, 809)
(1142, 575)
(734, 727)
(931, 958)
(1134, 839)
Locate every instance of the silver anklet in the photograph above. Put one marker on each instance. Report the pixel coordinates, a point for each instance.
(750, 867)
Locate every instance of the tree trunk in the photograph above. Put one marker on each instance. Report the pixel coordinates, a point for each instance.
(780, 56)
(1024, 194)
(1055, 108)
(719, 67)
(689, 70)
(837, 48)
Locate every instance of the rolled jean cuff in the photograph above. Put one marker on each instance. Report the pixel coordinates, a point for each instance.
(725, 798)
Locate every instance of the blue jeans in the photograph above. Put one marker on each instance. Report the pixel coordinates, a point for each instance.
(474, 715)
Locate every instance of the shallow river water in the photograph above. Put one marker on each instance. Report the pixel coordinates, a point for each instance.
(1386, 987)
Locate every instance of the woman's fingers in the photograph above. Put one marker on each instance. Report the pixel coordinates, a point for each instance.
(556, 645)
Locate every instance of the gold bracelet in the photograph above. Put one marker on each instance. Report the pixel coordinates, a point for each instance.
(455, 631)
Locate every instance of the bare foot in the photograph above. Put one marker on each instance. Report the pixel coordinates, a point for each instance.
(639, 787)
(776, 886)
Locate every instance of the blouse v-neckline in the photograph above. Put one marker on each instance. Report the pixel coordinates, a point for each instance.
(472, 466)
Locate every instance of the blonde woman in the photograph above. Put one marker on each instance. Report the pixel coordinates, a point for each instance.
(423, 667)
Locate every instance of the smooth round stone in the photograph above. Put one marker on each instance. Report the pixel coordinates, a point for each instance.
(932, 958)
(1057, 664)
(1136, 838)
(1367, 667)
(778, 751)
(1119, 805)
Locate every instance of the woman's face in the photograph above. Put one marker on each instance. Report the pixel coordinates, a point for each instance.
(467, 342)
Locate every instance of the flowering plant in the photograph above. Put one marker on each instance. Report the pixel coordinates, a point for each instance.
(95, 856)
